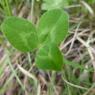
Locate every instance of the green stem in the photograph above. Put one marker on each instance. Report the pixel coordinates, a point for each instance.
(74, 85)
(14, 71)
(6, 7)
(16, 1)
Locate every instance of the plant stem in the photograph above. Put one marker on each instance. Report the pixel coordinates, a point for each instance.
(36, 10)
(14, 71)
(6, 7)
(73, 85)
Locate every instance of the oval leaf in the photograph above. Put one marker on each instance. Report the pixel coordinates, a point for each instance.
(49, 57)
(20, 33)
(53, 26)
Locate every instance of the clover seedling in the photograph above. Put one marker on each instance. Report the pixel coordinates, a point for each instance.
(51, 30)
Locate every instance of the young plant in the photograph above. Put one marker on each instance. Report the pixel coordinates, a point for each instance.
(51, 30)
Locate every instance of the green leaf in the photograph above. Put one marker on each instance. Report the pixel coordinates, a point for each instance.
(20, 33)
(90, 1)
(52, 4)
(53, 26)
(49, 57)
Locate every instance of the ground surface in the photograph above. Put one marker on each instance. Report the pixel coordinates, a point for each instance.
(18, 74)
